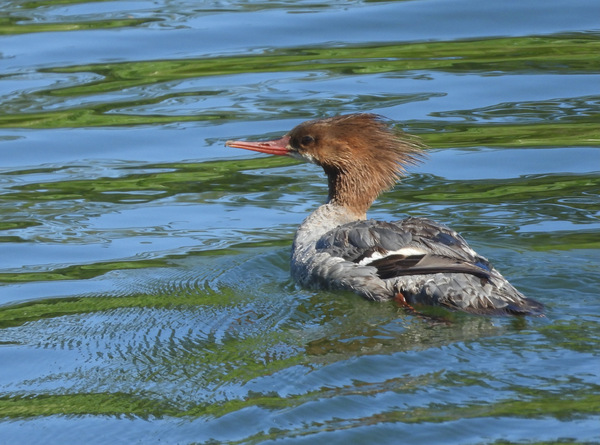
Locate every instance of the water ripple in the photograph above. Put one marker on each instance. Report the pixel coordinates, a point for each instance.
(144, 268)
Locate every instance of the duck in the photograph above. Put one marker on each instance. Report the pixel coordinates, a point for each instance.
(415, 261)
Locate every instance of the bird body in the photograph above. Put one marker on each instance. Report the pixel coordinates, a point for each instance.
(416, 261)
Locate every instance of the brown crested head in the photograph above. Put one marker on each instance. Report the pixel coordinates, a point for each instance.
(361, 154)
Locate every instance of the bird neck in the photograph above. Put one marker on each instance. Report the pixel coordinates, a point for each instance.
(355, 188)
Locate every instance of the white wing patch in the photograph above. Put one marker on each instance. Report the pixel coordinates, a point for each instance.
(405, 251)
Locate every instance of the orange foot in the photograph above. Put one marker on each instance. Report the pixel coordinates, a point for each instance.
(401, 300)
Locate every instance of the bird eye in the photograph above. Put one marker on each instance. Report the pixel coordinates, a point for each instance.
(306, 140)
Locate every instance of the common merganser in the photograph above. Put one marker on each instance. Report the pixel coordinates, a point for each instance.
(415, 261)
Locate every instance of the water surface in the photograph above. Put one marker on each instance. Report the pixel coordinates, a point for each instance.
(145, 294)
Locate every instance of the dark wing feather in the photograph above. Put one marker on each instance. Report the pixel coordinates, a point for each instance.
(400, 265)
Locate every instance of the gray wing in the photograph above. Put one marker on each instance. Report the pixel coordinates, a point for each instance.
(428, 263)
(410, 246)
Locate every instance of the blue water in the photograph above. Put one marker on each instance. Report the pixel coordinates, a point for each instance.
(145, 294)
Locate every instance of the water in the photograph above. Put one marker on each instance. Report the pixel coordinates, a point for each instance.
(144, 281)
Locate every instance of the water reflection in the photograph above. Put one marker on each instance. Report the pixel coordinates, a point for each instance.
(144, 278)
